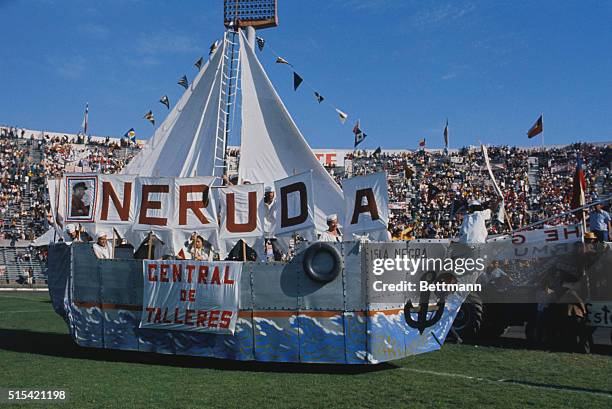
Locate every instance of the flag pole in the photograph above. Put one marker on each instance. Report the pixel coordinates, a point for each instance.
(542, 115)
(114, 244)
(149, 245)
(507, 217)
(571, 211)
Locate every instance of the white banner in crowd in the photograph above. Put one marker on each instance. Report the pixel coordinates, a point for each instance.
(242, 211)
(191, 295)
(366, 204)
(546, 242)
(294, 204)
(485, 154)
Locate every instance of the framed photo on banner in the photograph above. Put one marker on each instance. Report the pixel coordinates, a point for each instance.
(81, 197)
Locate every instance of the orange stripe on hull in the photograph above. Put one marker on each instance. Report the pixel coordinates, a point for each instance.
(249, 313)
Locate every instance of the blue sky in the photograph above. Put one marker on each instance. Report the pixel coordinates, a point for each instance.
(400, 66)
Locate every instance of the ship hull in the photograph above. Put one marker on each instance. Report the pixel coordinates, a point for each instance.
(285, 316)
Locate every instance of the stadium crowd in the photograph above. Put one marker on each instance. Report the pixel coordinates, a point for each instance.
(109, 156)
(27, 160)
(428, 190)
(22, 201)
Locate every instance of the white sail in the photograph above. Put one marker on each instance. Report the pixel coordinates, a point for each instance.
(192, 134)
(272, 147)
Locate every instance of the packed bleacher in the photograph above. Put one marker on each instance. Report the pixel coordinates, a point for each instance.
(428, 190)
(27, 159)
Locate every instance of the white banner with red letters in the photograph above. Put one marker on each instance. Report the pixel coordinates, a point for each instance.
(186, 295)
(171, 210)
(117, 203)
(242, 211)
(366, 204)
(295, 200)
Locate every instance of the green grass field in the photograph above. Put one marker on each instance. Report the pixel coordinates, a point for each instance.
(36, 352)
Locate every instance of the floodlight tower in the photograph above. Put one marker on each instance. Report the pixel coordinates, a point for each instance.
(248, 15)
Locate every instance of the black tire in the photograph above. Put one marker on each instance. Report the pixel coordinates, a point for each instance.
(317, 275)
(469, 319)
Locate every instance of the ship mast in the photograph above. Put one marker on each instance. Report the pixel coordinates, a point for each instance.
(247, 15)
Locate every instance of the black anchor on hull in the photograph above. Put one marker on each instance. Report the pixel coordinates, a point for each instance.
(422, 322)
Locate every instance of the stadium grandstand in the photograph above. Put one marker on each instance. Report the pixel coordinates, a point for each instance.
(427, 188)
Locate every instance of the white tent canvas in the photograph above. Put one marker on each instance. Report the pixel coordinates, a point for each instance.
(272, 146)
(184, 144)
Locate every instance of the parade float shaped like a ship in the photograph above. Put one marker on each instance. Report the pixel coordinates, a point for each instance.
(319, 307)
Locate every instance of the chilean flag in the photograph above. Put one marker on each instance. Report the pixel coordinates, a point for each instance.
(537, 128)
(578, 199)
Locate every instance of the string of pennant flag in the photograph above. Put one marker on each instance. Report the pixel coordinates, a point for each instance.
(164, 100)
(360, 136)
(298, 81)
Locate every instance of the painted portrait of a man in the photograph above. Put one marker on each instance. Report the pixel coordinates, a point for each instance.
(81, 198)
(78, 207)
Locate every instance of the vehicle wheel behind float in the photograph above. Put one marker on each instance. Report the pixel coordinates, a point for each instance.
(491, 332)
(469, 318)
(494, 324)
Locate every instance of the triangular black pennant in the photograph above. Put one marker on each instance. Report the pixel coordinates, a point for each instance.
(150, 117)
(319, 97)
(213, 47)
(297, 80)
(261, 43)
(164, 100)
(183, 82)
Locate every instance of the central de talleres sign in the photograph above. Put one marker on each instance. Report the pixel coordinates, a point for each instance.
(191, 295)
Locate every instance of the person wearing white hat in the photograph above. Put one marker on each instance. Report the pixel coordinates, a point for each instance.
(101, 247)
(333, 232)
(76, 234)
(474, 228)
(72, 232)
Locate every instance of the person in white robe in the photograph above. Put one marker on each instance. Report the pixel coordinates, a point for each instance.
(101, 248)
(474, 228)
(333, 232)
